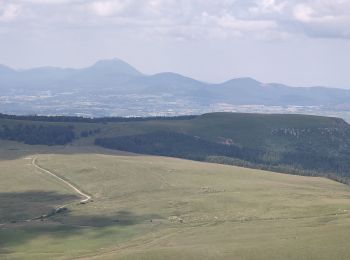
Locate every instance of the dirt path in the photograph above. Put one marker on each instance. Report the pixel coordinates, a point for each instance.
(85, 196)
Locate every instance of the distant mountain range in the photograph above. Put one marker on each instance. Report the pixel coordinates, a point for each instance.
(115, 81)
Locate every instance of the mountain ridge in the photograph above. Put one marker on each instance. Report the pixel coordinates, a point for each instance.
(108, 63)
(114, 85)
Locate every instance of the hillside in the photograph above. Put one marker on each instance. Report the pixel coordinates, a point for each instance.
(296, 144)
(147, 207)
(113, 87)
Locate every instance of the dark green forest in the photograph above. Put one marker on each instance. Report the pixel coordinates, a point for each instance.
(38, 134)
(194, 148)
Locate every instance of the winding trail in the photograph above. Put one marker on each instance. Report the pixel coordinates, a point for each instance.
(85, 196)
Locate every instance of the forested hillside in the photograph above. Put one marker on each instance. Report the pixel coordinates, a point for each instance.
(297, 144)
(38, 134)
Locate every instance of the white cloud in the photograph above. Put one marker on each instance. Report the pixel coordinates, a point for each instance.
(268, 6)
(199, 18)
(303, 13)
(9, 12)
(329, 19)
(307, 14)
(107, 8)
(231, 22)
(48, 1)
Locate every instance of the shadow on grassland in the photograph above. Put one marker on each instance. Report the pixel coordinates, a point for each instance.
(63, 225)
(16, 206)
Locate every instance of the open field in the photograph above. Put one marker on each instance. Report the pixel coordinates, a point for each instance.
(147, 207)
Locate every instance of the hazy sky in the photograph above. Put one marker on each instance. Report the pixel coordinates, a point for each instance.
(298, 42)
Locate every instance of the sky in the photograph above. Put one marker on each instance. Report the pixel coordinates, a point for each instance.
(295, 42)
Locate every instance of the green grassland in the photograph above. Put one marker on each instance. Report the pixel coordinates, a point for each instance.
(148, 207)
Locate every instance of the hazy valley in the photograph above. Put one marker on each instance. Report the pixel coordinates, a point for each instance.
(115, 88)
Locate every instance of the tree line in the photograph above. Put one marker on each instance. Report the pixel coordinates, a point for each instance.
(38, 134)
(78, 119)
(194, 148)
